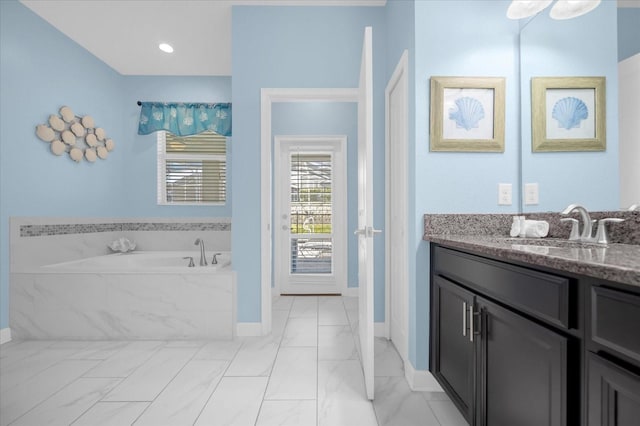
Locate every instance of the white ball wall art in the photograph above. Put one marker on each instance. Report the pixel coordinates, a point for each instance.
(77, 136)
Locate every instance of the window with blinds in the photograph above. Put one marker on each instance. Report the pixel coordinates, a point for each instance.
(192, 169)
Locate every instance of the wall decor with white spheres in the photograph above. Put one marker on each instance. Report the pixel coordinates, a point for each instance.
(75, 135)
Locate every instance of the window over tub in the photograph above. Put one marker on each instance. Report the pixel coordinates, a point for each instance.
(192, 170)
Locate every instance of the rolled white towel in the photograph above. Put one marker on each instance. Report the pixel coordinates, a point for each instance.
(536, 228)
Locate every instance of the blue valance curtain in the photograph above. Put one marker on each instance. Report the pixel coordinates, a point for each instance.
(184, 119)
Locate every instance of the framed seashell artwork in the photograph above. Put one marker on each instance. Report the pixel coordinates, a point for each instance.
(75, 135)
(467, 114)
(568, 114)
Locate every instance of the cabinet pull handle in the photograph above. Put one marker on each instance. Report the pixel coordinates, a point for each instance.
(471, 327)
(464, 319)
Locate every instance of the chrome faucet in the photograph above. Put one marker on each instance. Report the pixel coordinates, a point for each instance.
(634, 207)
(586, 221)
(203, 260)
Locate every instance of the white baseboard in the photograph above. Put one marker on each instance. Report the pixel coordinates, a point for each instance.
(5, 335)
(350, 292)
(420, 380)
(244, 329)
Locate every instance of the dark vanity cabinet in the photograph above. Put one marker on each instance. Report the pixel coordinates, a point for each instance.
(613, 364)
(517, 345)
(505, 342)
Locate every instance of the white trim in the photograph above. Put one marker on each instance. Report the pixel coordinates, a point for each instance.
(420, 380)
(380, 329)
(267, 97)
(401, 70)
(5, 335)
(244, 329)
(363, 3)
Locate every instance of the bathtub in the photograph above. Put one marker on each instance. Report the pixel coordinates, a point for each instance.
(138, 295)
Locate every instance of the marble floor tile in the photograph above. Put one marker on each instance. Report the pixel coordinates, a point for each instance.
(31, 392)
(219, 349)
(19, 370)
(278, 324)
(304, 307)
(336, 342)
(282, 303)
(111, 414)
(183, 399)
(100, 350)
(287, 413)
(447, 413)
(255, 357)
(300, 332)
(235, 402)
(395, 404)
(126, 360)
(331, 311)
(342, 400)
(387, 359)
(435, 396)
(145, 383)
(294, 374)
(69, 403)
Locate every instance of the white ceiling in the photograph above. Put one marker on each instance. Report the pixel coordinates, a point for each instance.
(125, 34)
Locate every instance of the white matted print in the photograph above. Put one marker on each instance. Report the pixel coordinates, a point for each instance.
(570, 113)
(468, 113)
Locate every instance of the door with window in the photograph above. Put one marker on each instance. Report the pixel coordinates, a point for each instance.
(310, 213)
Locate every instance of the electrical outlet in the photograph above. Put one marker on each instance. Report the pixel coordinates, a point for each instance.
(504, 194)
(531, 195)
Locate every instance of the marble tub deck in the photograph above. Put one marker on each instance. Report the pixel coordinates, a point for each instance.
(306, 373)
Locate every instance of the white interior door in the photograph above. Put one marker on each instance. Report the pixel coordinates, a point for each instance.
(310, 211)
(365, 229)
(396, 95)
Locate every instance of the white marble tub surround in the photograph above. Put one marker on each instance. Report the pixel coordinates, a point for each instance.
(63, 302)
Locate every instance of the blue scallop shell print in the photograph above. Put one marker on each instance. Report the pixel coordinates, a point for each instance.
(569, 112)
(468, 112)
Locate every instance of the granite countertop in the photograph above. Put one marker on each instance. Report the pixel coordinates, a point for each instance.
(613, 262)
(488, 234)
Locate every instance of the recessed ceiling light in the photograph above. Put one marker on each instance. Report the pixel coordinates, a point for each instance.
(165, 47)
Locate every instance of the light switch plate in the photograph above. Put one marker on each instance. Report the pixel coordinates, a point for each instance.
(504, 194)
(531, 195)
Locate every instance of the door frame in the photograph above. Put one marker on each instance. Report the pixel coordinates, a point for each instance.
(337, 145)
(269, 96)
(400, 187)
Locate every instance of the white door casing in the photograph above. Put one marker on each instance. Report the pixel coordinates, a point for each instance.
(333, 280)
(396, 188)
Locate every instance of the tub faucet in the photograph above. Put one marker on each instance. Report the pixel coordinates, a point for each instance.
(586, 221)
(203, 260)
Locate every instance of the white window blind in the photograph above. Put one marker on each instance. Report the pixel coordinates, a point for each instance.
(192, 169)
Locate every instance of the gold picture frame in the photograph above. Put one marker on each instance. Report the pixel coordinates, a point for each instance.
(568, 114)
(467, 114)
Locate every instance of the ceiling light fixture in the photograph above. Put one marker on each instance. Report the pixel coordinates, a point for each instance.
(165, 47)
(563, 9)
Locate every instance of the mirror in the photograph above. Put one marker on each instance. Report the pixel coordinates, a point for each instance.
(584, 46)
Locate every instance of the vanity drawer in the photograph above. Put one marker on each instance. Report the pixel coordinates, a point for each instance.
(615, 317)
(543, 295)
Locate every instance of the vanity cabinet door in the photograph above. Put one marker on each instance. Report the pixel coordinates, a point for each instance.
(452, 346)
(522, 370)
(614, 394)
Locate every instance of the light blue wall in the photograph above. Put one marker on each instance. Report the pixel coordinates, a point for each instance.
(294, 47)
(140, 150)
(42, 70)
(549, 49)
(462, 38)
(323, 118)
(628, 32)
